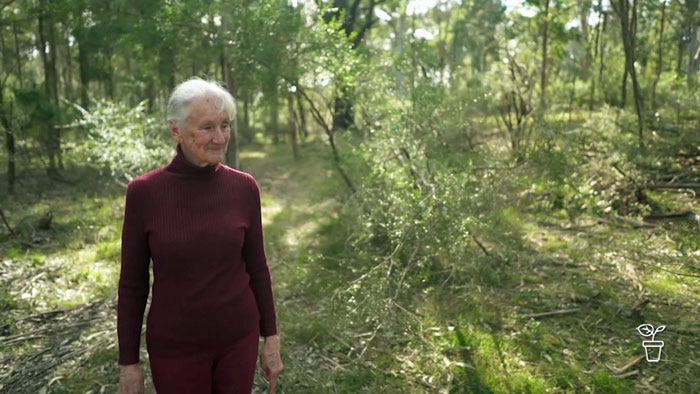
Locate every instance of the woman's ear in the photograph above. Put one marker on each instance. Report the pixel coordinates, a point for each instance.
(175, 131)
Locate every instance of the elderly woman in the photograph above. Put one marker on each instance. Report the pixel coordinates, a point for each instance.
(199, 222)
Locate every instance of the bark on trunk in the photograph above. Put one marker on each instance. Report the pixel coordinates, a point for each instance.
(692, 46)
(659, 56)
(628, 27)
(47, 49)
(9, 145)
(545, 59)
(233, 153)
(293, 125)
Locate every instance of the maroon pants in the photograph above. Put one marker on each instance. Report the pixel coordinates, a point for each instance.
(225, 371)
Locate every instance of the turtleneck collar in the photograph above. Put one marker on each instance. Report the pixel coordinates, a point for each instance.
(182, 167)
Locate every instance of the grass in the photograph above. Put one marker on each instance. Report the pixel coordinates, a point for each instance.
(459, 324)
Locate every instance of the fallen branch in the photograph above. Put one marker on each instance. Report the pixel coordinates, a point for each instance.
(623, 220)
(672, 217)
(668, 270)
(679, 185)
(551, 313)
(626, 375)
(626, 367)
(316, 113)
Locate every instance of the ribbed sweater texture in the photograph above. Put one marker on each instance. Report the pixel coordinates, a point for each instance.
(201, 228)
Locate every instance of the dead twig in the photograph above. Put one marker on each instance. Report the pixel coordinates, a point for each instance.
(550, 314)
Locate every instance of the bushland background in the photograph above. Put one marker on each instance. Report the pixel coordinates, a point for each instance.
(459, 196)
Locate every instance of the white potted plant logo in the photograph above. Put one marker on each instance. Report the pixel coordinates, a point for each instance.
(653, 347)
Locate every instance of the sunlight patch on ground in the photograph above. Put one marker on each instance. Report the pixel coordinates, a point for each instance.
(65, 280)
(671, 286)
(302, 234)
(297, 236)
(253, 154)
(270, 208)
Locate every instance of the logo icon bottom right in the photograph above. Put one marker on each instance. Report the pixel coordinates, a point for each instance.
(652, 348)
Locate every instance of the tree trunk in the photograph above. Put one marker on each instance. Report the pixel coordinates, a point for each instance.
(47, 50)
(110, 83)
(584, 11)
(545, 59)
(331, 140)
(596, 47)
(18, 57)
(679, 55)
(83, 66)
(304, 132)
(601, 64)
(233, 153)
(245, 124)
(66, 69)
(343, 112)
(354, 25)
(166, 66)
(692, 46)
(660, 56)
(623, 86)
(628, 26)
(9, 144)
(274, 116)
(293, 125)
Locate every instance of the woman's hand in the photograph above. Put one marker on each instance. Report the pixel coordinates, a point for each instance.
(270, 361)
(130, 379)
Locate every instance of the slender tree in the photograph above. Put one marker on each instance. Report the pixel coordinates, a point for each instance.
(46, 45)
(659, 55)
(355, 18)
(544, 35)
(628, 18)
(691, 41)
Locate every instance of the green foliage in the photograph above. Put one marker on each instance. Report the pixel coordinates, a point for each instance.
(461, 227)
(123, 141)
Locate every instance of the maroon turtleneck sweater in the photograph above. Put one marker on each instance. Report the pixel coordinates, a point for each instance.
(202, 229)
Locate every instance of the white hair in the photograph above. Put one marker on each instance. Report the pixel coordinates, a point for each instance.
(197, 88)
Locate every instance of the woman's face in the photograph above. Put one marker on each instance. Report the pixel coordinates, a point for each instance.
(205, 134)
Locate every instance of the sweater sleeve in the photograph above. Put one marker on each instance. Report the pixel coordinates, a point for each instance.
(256, 265)
(134, 276)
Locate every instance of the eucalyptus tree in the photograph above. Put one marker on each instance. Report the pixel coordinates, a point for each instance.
(584, 9)
(97, 28)
(544, 32)
(354, 18)
(659, 68)
(48, 16)
(476, 34)
(265, 59)
(689, 39)
(8, 52)
(599, 48)
(627, 13)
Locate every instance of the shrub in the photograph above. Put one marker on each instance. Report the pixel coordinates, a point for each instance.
(122, 141)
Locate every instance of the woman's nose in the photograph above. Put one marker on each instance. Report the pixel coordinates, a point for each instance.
(219, 136)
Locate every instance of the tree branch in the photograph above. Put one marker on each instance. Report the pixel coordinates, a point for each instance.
(4, 220)
(331, 140)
